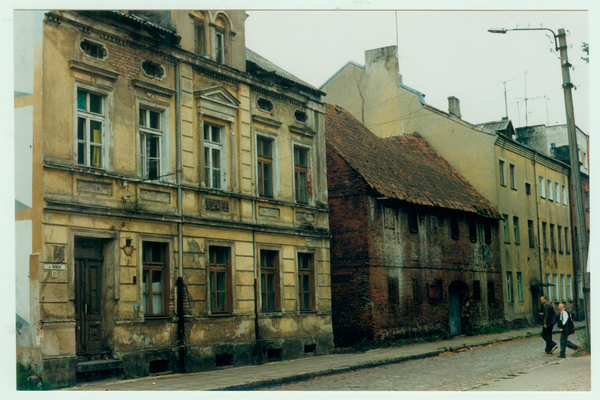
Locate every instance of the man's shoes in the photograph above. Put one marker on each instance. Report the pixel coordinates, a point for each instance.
(554, 348)
(559, 356)
(578, 347)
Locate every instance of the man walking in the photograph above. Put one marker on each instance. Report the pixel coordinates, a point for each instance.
(565, 324)
(549, 317)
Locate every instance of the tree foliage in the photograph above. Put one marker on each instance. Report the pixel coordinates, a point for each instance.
(586, 49)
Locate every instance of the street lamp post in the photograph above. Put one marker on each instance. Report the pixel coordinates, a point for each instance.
(560, 43)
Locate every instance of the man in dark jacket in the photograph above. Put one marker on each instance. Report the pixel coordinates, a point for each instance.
(549, 317)
(563, 324)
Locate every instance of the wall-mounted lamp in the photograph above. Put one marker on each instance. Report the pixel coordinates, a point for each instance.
(128, 249)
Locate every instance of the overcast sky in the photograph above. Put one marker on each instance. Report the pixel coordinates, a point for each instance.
(441, 54)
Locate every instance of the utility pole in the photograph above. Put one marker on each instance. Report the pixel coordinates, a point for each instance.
(582, 235)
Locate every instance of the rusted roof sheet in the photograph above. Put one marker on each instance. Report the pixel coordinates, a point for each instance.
(270, 67)
(402, 167)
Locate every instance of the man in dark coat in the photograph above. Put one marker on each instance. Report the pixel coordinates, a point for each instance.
(549, 317)
(564, 322)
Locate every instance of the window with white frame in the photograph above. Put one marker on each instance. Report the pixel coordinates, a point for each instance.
(567, 240)
(513, 176)
(91, 118)
(563, 290)
(570, 287)
(564, 194)
(213, 149)
(557, 192)
(550, 196)
(151, 134)
(502, 167)
(519, 286)
(301, 174)
(220, 47)
(555, 282)
(542, 187)
(579, 286)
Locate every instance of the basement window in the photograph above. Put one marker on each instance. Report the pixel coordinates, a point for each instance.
(310, 348)
(153, 70)
(301, 116)
(225, 359)
(274, 354)
(93, 50)
(158, 366)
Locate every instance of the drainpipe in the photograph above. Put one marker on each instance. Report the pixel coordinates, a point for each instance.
(180, 318)
(537, 216)
(256, 293)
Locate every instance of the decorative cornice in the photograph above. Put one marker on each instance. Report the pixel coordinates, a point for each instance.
(114, 39)
(302, 131)
(153, 88)
(92, 69)
(266, 121)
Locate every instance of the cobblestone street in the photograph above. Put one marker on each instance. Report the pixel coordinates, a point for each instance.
(448, 372)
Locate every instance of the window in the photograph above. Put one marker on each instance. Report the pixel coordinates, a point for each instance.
(570, 287)
(269, 280)
(454, 231)
(491, 292)
(555, 282)
(519, 286)
(265, 167)
(552, 243)
(305, 282)
(513, 177)
(90, 128)
(199, 41)
(155, 278)
(436, 291)
(531, 233)
(509, 287)
(93, 50)
(264, 105)
(545, 240)
(413, 220)
(219, 276)
(579, 286)
(516, 230)
(300, 116)
(300, 174)
(550, 197)
(564, 195)
(476, 291)
(213, 148)
(219, 48)
(557, 191)
(150, 127)
(559, 233)
(487, 227)
(502, 166)
(417, 291)
(567, 240)
(527, 188)
(542, 187)
(506, 229)
(563, 290)
(393, 291)
(153, 70)
(549, 288)
(473, 230)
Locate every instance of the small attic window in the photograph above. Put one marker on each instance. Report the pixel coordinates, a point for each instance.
(93, 50)
(153, 70)
(300, 116)
(265, 105)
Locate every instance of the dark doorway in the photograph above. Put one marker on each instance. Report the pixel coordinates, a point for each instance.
(88, 294)
(536, 293)
(457, 307)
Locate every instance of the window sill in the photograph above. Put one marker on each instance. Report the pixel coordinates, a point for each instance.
(220, 315)
(156, 317)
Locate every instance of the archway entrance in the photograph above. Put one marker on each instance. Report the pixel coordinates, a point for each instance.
(457, 306)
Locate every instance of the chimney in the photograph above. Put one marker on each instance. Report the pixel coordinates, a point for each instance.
(454, 106)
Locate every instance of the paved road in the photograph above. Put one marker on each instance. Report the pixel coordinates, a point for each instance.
(473, 369)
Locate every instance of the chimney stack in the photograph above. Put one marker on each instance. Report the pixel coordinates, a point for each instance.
(454, 106)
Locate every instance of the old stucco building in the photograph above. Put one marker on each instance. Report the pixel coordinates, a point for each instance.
(171, 199)
(527, 187)
(414, 247)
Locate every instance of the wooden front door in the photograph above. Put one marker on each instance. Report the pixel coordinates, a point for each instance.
(89, 304)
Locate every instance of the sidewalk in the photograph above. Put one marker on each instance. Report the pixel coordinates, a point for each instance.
(257, 376)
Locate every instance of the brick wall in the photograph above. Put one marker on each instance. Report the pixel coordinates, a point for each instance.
(371, 242)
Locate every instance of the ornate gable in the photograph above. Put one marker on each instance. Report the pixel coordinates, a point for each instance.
(216, 101)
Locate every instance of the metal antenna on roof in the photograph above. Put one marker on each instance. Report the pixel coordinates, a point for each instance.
(396, 13)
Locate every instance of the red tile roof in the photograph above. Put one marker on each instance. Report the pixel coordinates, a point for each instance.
(402, 167)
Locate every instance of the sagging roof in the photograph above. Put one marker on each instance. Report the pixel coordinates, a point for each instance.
(496, 126)
(269, 67)
(405, 167)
